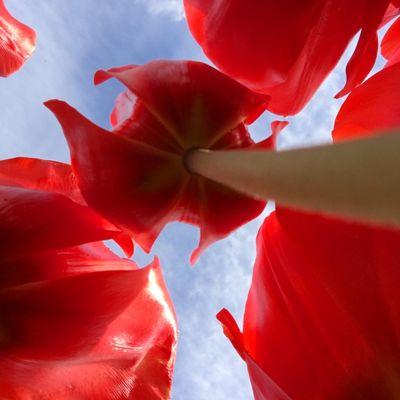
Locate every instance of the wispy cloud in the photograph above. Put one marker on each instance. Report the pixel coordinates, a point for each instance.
(171, 8)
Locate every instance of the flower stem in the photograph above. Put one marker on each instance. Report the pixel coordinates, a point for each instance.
(358, 179)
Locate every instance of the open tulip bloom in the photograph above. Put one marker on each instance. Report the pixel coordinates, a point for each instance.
(76, 320)
(135, 174)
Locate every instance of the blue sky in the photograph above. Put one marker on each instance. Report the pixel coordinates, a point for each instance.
(77, 37)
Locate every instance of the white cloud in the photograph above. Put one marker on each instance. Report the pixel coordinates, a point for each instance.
(171, 8)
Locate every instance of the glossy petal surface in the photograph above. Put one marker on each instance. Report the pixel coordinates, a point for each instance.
(322, 319)
(17, 42)
(286, 49)
(46, 175)
(76, 322)
(87, 326)
(372, 108)
(49, 179)
(32, 220)
(135, 175)
(391, 44)
(36, 316)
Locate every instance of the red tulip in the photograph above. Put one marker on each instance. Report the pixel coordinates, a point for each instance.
(286, 49)
(17, 42)
(135, 175)
(322, 319)
(391, 44)
(75, 322)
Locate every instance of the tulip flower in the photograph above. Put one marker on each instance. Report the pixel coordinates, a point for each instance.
(322, 319)
(17, 42)
(286, 49)
(135, 175)
(76, 320)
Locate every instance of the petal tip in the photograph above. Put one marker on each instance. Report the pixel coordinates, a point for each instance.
(232, 331)
(52, 103)
(258, 111)
(194, 257)
(101, 76)
(125, 242)
(342, 93)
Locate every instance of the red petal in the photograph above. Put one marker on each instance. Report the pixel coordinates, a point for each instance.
(34, 173)
(322, 318)
(135, 174)
(56, 319)
(57, 264)
(103, 76)
(232, 331)
(51, 176)
(270, 142)
(391, 44)
(32, 220)
(206, 104)
(286, 49)
(124, 108)
(392, 12)
(373, 107)
(126, 243)
(364, 56)
(75, 322)
(137, 123)
(263, 386)
(119, 177)
(361, 61)
(134, 359)
(220, 211)
(17, 42)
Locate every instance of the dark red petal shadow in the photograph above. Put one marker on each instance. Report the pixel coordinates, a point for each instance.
(35, 317)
